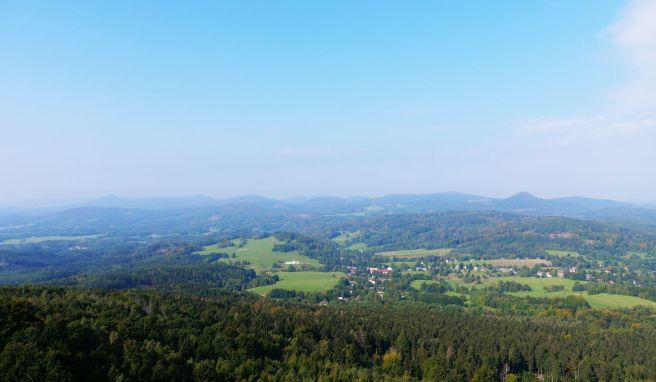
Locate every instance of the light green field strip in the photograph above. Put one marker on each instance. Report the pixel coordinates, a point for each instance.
(530, 263)
(414, 253)
(42, 239)
(553, 252)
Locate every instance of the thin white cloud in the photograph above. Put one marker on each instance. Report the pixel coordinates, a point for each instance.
(633, 107)
(634, 34)
(573, 130)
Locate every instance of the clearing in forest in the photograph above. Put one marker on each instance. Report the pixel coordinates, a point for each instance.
(260, 255)
(559, 253)
(303, 282)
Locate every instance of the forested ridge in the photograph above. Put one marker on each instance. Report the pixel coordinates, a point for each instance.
(63, 333)
(492, 233)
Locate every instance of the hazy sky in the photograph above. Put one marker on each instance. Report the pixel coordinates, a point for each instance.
(284, 98)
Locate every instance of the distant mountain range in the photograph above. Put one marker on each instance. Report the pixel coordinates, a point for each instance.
(522, 203)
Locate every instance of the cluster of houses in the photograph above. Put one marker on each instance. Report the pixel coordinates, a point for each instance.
(555, 273)
(381, 271)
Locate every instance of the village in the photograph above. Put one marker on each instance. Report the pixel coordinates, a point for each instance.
(388, 276)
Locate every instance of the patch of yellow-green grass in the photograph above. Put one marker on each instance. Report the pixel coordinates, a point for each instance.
(349, 237)
(345, 237)
(597, 301)
(558, 253)
(538, 286)
(358, 246)
(42, 239)
(602, 300)
(260, 254)
(303, 282)
(416, 253)
(617, 301)
(417, 283)
(397, 264)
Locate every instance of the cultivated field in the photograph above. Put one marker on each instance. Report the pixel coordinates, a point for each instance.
(303, 282)
(415, 253)
(260, 254)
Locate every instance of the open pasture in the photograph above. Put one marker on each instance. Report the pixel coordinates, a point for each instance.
(349, 237)
(597, 301)
(260, 254)
(559, 253)
(303, 282)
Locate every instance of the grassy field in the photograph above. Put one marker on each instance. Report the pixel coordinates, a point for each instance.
(346, 237)
(303, 282)
(41, 239)
(259, 253)
(602, 300)
(553, 252)
(358, 246)
(415, 253)
(514, 262)
(605, 300)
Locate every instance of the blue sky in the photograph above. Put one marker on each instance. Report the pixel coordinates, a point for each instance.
(327, 98)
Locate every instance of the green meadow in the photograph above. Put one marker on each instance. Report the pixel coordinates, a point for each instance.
(617, 301)
(602, 300)
(260, 254)
(415, 253)
(530, 263)
(348, 237)
(358, 246)
(345, 237)
(303, 282)
(554, 252)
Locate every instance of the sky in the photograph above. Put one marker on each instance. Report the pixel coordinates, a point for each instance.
(289, 98)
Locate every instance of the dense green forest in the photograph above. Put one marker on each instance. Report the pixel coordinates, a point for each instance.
(59, 334)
